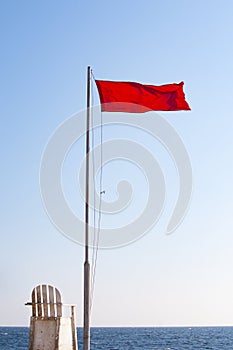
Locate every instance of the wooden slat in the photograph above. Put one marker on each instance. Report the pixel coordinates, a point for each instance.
(45, 300)
(39, 306)
(73, 327)
(34, 303)
(58, 303)
(51, 301)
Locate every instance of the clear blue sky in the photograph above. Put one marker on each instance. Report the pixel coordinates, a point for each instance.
(181, 279)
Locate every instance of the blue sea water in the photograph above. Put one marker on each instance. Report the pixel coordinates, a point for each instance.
(167, 338)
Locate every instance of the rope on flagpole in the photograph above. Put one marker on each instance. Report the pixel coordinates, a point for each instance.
(93, 173)
(96, 237)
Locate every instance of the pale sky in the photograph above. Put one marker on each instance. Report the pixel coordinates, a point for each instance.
(179, 279)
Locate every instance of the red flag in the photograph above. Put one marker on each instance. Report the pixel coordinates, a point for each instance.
(138, 98)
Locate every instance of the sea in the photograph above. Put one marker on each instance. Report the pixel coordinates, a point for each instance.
(158, 338)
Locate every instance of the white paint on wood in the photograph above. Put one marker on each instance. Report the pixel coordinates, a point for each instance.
(38, 298)
(58, 303)
(45, 300)
(34, 302)
(51, 300)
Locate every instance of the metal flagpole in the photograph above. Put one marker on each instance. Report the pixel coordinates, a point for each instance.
(86, 315)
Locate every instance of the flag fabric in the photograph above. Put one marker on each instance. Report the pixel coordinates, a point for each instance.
(130, 97)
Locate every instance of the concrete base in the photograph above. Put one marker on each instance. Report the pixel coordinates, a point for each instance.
(51, 334)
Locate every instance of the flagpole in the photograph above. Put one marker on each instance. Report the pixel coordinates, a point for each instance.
(86, 314)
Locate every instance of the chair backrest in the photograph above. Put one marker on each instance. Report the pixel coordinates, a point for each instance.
(46, 302)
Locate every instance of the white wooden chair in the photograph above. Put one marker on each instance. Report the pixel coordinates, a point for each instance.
(49, 330)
